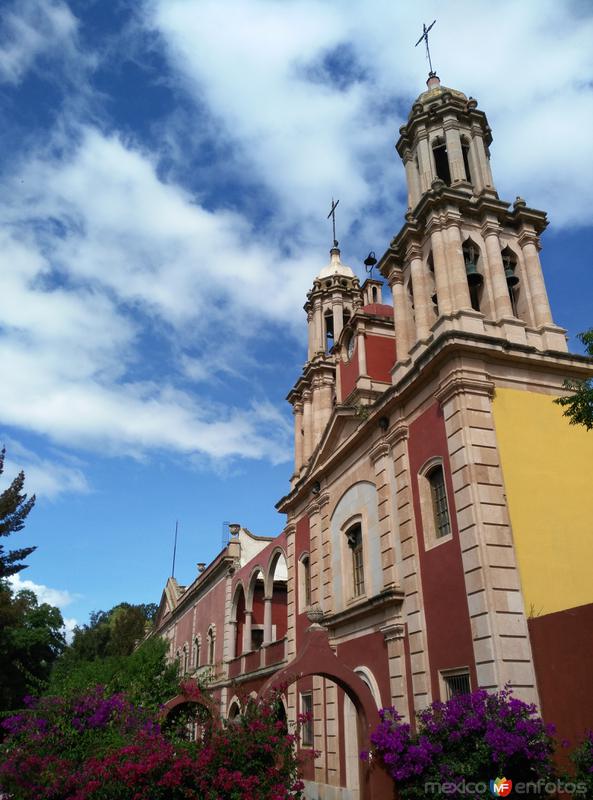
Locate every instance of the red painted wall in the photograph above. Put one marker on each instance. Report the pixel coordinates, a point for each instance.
(562, 645)
(443, 585)
(280, 611)
(380, 352)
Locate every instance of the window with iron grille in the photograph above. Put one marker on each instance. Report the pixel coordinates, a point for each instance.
(442, 524)
(354, 537)
(457, 683)
(307, 579)
(307, 726)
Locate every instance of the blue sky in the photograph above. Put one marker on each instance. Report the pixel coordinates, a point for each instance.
(166, 171)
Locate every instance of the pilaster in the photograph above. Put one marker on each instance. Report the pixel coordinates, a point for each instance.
(501, 642)
(413, 613)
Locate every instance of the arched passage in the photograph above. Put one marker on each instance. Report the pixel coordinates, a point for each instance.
(275, 607)
(317, 658)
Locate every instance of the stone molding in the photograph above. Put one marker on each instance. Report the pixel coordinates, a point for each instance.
(462, 383)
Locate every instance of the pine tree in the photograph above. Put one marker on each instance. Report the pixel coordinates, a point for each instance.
(14, 508)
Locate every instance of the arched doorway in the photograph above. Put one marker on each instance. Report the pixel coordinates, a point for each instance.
(317, 658)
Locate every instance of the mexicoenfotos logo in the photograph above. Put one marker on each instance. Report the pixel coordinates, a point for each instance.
(501, 787)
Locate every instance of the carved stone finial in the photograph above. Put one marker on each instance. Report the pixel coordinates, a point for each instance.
(315, 615)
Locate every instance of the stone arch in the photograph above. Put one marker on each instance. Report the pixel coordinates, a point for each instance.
(275, 556)
(317, 658)
(237, 619)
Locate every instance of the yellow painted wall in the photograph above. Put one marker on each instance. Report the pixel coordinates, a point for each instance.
(548, 473)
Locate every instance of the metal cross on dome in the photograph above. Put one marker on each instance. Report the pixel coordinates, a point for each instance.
(332, 214)
(424, 36)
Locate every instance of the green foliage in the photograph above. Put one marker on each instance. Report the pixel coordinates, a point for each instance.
(111, 633)
(582, 758)
(31, 639)
(14, 508)
(578, 406)
(145, 676)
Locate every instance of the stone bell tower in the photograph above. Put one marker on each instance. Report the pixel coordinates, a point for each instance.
(334, 298)
(465, 259)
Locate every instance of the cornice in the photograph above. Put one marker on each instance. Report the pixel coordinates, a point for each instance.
(395, 630)
(459, 382)
(379, 450)
(399, 433)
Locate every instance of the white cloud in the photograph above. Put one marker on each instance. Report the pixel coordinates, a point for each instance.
(45, 477)
(61, 598)
(30, 29)
(253, 62)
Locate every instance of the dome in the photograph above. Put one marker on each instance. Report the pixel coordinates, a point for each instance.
(335, 267)
(435, 90)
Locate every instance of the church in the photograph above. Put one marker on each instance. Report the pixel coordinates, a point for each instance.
(439, 519)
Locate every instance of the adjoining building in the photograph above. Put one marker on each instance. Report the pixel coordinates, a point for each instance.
(439, 532)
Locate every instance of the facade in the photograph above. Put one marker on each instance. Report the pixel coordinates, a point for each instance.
(439, 529)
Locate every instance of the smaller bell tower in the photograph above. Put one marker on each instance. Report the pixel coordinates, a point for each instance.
(331, 303)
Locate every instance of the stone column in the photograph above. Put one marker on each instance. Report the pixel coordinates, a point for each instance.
(454, 152)
(401, 316)
(307, 425)
(422, 303)
(297, 411)
(441, 277)
(247, 632)
(425, 161)
(311, 333)
(232, 639)
(482, 159)
(380, 455)
(498, 281)
(319, 337)
(456, 264)
(361, 351)
(267, 620)
(412, 179)
(529, 244)
(477, 176)
(338, 315)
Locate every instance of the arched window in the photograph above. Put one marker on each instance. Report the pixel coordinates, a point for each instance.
(441, 160)
(354, 539)
(211, 641)
(304, 582)
(197, 644)
(185, 659)
(475, 281)
(329, 331)
(465, 154)
(440, 508)
(509, 261)
(434, 298)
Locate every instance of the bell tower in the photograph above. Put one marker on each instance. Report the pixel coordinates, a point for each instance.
(331, 303)
(465, 259)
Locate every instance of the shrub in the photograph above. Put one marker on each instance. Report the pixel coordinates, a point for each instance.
(97, 747)
(473, 738)
(582, 759)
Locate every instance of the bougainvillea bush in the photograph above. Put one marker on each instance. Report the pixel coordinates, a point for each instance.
(473, 738)
(94, 747)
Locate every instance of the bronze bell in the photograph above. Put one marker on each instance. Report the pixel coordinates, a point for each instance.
(512, 279)
(473, 276)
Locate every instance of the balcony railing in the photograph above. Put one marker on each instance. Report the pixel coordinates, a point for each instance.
(266, 656)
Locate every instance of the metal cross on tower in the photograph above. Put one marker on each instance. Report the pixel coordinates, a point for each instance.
(332, 214)
(425, 37)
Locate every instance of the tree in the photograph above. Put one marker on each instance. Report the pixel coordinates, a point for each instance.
(146, 676)
(31, 638)
(578, 406)
(14, 509)
(111, 633)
